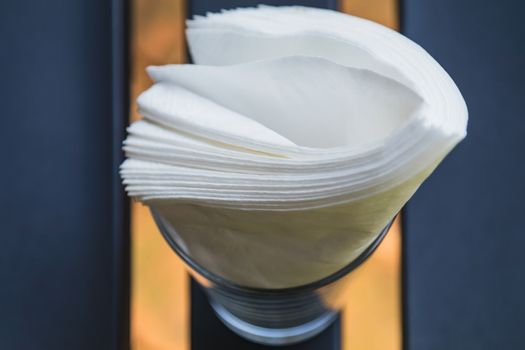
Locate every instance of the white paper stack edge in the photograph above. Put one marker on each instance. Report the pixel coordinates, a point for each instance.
(296, 136)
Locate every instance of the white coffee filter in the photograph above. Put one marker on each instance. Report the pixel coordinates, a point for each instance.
(294, 139)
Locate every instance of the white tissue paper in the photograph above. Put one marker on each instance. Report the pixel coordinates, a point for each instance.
(294, 139)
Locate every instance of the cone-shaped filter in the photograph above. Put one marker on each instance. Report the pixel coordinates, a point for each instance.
(295, 138)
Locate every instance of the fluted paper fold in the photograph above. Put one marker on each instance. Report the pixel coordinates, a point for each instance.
(296, 136)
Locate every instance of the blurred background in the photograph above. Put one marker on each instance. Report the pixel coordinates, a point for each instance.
(82, 268)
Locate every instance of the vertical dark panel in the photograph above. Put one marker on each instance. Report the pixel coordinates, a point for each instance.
(200, 7)
(207, 331)
(61, 206)
(120, 85)
(464, 228)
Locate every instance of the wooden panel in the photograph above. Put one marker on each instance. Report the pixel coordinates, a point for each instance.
(372, 318)
(160, 288)
(385, 12)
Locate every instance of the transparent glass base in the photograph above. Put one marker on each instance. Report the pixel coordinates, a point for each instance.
(274, 336)
(271, 316)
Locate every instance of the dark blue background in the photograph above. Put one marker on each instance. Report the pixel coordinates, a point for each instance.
(201, 7)
(465, 238)
(62, 219)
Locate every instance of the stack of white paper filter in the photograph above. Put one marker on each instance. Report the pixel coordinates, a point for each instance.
(296, 136)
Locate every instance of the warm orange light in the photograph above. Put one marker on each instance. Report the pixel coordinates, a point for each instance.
(372, 316)
(160, 285)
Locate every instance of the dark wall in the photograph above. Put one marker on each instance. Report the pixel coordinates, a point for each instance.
(465, 238)
(59, 210)
(201, 7)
